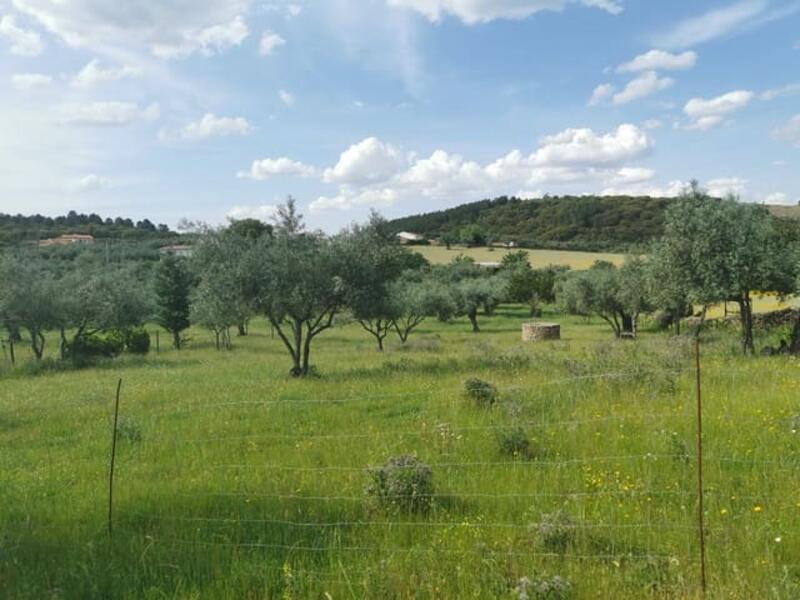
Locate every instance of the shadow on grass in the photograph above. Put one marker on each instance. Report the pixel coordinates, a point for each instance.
(51, 366)
(8, 424)
(200, 546)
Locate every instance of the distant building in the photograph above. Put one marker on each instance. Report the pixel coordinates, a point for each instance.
(66, 240)
(405, 237)
(177, 250)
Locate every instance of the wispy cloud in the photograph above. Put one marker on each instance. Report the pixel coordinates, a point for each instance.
(791, 89)
(722, 22)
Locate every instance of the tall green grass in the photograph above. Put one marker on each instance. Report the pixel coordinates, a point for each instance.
(236, 481)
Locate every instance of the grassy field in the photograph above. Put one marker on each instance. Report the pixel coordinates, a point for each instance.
(235, 481)
(440, 255)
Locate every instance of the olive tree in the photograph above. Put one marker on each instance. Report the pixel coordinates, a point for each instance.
(470, 294)
(618, 296)
(725, 251)
(228, 286)
(416, 298)
(530, 286)
(298, 284)
(100, 301)
(214, 307)
(29, 300)
(370, 263)
(471, 288)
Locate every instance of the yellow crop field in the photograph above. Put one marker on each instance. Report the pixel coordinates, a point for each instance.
(539, 258)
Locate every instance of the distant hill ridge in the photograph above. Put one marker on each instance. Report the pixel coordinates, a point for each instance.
(590, 223)
(15, 229)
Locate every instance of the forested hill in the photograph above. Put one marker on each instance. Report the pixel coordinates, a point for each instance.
(569, 222)
(592, 223)
(15, 229)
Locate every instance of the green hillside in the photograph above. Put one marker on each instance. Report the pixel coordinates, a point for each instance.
(588, 223)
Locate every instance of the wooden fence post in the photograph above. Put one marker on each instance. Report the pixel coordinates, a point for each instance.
(700, 508)
(111, 469)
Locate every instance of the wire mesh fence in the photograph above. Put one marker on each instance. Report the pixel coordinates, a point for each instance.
(583, 472)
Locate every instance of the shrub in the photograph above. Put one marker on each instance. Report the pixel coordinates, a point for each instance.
(543, 588)
(556, 531)
(97, 346)
(137, 341)
(483, 393)
(514, 443)
(403, 484)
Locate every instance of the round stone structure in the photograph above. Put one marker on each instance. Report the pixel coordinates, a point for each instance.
(539, 332)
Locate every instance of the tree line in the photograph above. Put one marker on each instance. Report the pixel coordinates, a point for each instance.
(304, 283)
(16, 229)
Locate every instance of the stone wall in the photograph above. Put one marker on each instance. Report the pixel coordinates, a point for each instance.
(536, 332)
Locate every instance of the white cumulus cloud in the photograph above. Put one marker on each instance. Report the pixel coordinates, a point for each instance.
(367, 161)
(375, 173)
(263, 212)
(213, 126)
(94, 73)
(267, 168)
(708, 113)
(92, 183)
(286, 97)
(584, 146)
(778, 198)
(660, 60)
(726, 186)
(646, 84)
(270, 41)
(483, 11)
(23, 42)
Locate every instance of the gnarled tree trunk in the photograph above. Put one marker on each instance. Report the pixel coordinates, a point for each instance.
(746, 317)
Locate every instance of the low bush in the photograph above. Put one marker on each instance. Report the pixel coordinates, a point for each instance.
(403, 484)
(483, 393)
(515, 443)
(556, 532)
(108, 345)
(543, 588)
(137, 341)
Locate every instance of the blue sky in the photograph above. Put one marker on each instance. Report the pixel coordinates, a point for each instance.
(208, 109)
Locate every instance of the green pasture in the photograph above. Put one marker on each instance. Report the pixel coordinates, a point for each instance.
(235, 481)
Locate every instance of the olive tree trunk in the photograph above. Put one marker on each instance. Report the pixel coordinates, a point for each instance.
(746, 317)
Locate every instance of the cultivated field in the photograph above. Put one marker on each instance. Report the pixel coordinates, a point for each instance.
(440, 255)
(235, 481)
